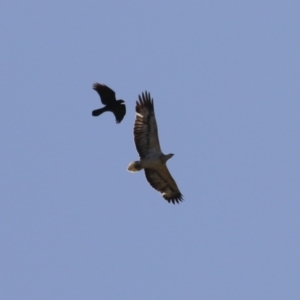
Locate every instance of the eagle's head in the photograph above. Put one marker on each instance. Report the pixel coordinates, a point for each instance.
(169, 155)
(166, 157)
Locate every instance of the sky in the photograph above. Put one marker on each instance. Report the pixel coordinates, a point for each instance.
(224, 76)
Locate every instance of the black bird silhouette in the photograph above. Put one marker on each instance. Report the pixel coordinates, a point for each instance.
(108, 98)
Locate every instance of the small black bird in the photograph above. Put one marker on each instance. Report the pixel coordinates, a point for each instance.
(108, 98)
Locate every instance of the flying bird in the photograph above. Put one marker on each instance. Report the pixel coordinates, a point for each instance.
(108, 98)
(152, 160)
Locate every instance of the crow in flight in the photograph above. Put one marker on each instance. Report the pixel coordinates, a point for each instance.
(108, 98)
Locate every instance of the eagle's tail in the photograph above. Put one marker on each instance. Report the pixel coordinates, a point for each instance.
(134, 166)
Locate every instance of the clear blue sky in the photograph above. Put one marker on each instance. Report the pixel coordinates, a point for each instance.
(224, 75)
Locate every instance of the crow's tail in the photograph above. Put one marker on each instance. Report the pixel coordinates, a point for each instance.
(98, 112)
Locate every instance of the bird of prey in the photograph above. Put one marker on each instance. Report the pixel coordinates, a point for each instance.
(108, 98)
(152, 160)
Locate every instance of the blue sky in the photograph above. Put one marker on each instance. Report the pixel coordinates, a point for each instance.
(224, 75)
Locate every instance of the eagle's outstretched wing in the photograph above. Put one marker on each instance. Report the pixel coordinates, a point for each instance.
(145, 128)
(161, 180)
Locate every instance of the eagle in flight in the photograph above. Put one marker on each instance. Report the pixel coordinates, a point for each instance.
(152, 160)
(108, 98)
